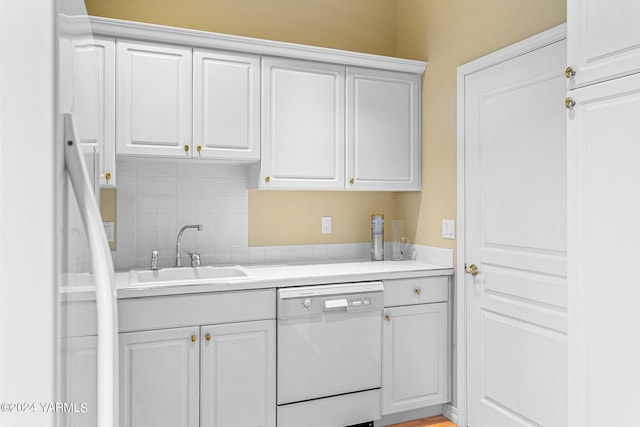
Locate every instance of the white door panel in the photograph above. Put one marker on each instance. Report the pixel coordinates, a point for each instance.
(603, 151)
(515, 232)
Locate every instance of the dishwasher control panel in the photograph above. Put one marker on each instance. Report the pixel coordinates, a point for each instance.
(324, 300)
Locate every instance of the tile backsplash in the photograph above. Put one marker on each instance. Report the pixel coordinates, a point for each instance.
(157, 197)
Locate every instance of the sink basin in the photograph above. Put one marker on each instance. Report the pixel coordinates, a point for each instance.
(186, 275)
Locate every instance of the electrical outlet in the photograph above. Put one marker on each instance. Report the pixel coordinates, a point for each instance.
(326, 225)
(448, 229)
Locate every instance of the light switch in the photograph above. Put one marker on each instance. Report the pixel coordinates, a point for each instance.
(448, 229)
(326, 225)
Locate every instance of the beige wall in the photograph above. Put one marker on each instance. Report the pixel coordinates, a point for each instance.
(448, 34)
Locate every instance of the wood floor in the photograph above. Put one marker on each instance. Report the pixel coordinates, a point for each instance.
(438, 421)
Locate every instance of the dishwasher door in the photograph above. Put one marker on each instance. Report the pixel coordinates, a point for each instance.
(329, 340)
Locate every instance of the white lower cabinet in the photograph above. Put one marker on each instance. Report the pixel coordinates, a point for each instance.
(213, 376)
(415, 370)
(238, 375)
(78, 365)
(159, 378)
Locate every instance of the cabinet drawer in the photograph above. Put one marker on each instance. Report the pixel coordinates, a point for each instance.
(418, 290)
(195, 309)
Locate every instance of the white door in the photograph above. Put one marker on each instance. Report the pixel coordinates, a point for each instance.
(159, 378)
(415, 346)
(153, 99)
(604, 239)
(604, 39)
(239, 375)
(94, 66)
(226, 105)
(302, 125)
(515, 234)
(383, 130)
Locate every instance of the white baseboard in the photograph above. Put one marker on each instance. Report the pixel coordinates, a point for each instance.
(450, 412)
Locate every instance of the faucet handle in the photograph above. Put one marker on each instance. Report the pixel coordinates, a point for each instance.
(154, 260)
(195, 258)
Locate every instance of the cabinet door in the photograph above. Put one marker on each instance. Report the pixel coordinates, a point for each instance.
(238, 375)
(302, 125)
(603, 39)
(159, 378)
(94, 100)
(153, 99)
(226, 105)
(603, 231)
(383, 130)
(415, 357)
(79, 373)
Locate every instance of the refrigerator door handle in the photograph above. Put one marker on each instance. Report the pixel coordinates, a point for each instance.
(104, 276)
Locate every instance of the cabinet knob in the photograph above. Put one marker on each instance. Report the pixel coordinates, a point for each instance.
(207, 337)
(194, 338)
(107, 176)
(267, 179)
(418, 291)
(199, 150)
(388, 317)
(186, 148)
(569, 72)
(352, 181)
(569, 103)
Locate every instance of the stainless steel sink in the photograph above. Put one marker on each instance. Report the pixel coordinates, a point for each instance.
(186, 275)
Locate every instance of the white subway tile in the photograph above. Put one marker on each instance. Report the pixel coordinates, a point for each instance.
(222, 257)
(204, 241)
(185, 218)
(146, 222)
(204, 170)
(238, 204)
(146, 242)
(166, 241)
(147, 168)
(167, 185)
(167, 169)
(221, 204)
(127, 185)
(239, 221)
(185, 169)
(273, 253)
(167, 204)
(186, 204)
(256, 254)
(125, 168)
(147, 204)
(222, 221)
(185, 185)
(125, 241)
(240, 255)
(125, 203)
(320, 252)
(204, 186)
(146, 185)
(239, 238)
(166, 221)
(125, 260)
(221, 239)
(205, 204)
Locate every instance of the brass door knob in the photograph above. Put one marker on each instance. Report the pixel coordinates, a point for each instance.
(569, 103)
(207, 337)
(472, 270)
(388, 317)
(194, 338)
(418, 291)
(199, 150)
(569, 72)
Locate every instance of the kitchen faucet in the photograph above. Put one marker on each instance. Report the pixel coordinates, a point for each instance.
(198, 227)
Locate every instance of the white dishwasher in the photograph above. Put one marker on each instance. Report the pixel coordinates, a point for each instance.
(329, 355)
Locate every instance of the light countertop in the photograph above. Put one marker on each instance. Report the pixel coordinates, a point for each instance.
(273, 276)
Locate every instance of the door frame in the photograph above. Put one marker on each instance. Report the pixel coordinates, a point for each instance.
(530, 44)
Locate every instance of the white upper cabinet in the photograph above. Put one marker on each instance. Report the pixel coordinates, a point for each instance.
(153, 99)
(302, 125)
(603, 39)
(94, 66)
(383, 130)
(226, 105)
